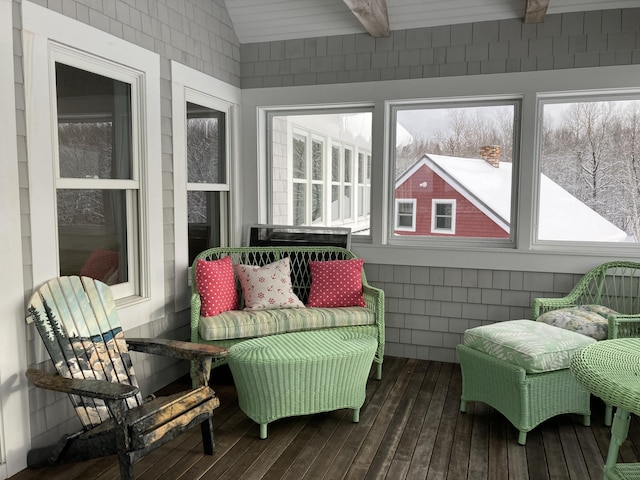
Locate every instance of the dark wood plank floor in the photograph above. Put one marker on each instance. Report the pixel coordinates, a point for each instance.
(410, 428)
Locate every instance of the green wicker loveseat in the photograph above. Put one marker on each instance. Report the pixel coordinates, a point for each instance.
(231, 327)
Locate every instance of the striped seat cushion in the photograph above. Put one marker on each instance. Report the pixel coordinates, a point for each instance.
(257, 323)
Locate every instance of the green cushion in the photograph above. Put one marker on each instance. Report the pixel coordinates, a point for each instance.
(534, 346)
(258, 323)
(590, 320)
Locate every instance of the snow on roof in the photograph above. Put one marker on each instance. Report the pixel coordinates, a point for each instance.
(562, 216)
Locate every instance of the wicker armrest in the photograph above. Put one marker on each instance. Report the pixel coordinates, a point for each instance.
(542, 305)
(624, 326)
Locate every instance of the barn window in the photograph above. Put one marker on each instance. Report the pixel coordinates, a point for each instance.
(443, 216)
(406, 215)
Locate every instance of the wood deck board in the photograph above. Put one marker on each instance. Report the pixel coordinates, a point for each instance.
(410, 427)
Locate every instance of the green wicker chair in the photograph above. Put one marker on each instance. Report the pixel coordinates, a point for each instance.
(615, 285)
(610, 370)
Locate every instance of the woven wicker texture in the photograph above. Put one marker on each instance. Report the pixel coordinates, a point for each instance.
(526, 400)
(301, 373)
(613, 284)
(301, 283)
(610, 370)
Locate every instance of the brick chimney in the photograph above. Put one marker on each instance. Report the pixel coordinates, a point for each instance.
(491, 153)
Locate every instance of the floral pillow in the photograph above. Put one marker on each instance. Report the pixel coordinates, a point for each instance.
(589, 320)
(268, 287)
(217, 286)
(336, 283)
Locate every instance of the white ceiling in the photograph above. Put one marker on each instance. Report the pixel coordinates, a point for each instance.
(269, 20)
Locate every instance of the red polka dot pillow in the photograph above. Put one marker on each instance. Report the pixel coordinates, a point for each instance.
(268, 287)
(217, 286)
(336, 283)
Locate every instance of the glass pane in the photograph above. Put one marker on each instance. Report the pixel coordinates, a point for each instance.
(94, 125)
(317, 160)
(299, 156)
(335, 164)
(347, 165)
(346, 203)
(316, 203)
(335, 202)
(299, 203)
(405, 221)
(443, 209)
(206, 159)
(204, 216)
(92, 232)
(443, 223)
(589, 178)
(360, 167)
(462, 153)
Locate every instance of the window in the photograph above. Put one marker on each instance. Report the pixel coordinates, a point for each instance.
(456, 162)
(590, 170)
(443, 216)
(95, 181)
(207, 182)
(203, 119)
(96, 191)
(321, 170)
(406, 215)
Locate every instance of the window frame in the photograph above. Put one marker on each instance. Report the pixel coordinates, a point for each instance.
(190, 85)
(446, 239)
(435, 202)
(330, 145)
(570, 96)
(407, 201)
(54, 36)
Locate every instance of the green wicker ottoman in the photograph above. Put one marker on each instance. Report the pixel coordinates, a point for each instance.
(521, 368)
(301, 373)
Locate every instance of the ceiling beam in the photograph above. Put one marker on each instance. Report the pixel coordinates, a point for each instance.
(535, 11)
(372, 14)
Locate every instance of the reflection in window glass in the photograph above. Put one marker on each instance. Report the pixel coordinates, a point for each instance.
(314, 161)
(204, 221)
(92, 232)
(205, 145)
(94, 125)
(461, 153)
(590, 172)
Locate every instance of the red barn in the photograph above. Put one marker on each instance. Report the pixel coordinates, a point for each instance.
(471, 197)
(444, 196)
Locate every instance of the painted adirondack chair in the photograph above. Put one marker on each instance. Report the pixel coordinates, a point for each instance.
(78, 322)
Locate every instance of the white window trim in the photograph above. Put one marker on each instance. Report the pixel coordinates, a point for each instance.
(15, 434)
(413, 203)
(189, 85)
(43, 28)
(434, 203)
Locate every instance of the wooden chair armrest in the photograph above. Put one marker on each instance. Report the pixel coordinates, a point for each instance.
(176, 348)
(84, 387)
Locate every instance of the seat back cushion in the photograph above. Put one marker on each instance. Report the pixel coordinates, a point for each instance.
(590, 320)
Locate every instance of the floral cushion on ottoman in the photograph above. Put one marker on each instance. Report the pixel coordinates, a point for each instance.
(589, 320)
(534, 346)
